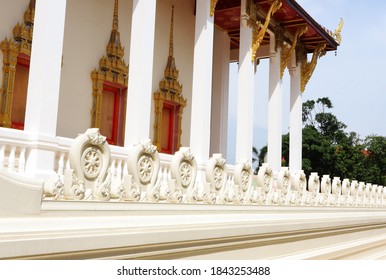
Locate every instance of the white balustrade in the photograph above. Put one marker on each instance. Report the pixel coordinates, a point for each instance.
(179, 179)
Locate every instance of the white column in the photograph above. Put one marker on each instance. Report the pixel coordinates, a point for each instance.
(275, 101)
(244, 131)
(220, 93)
(45, 69)
(202, 82)
(44, 85)
(295, 153)
(139, 97)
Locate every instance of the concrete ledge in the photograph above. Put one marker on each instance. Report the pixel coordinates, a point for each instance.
(19, 195)
(259, 233)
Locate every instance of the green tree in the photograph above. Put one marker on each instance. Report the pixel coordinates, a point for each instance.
(255, 159)
(328, 149)
(376, 159)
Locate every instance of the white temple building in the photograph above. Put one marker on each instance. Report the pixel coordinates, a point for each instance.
(113, 135)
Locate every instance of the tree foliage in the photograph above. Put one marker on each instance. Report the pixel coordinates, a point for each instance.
(329, 149)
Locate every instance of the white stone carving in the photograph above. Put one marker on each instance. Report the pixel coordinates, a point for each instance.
(88, 174)
(384, 197)
(336, 190)
(265, 184)
(143, 165)
(344, 199)
(361, 192)
(324, 197)
(299, 188)
(352, 198)
(379, 196)
(183, 172)
(283, 185)
(242, 182)
(53, 188)
(313, 189)
(216, 178)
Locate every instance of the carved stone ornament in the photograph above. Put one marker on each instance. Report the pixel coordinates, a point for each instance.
(346, 187)
(299, 181)
(184, 168)
(336, 186)
(143, 164)
(361, 189)
(89, 161)
(243, 176)
(216, 173)
(265, 178)
(354, 188)
(284, 179)
(283, 184)
(326, 184)
(314, 183)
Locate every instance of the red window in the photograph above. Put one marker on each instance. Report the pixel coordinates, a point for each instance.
(19, 99)
(170, 125)
(113, 113)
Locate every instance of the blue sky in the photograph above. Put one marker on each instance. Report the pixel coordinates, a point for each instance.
(354, 79)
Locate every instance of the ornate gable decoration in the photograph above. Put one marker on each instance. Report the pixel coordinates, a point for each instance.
(22, 34)
(170, 85)
(20, 44)
(170, 90)
(112, 68)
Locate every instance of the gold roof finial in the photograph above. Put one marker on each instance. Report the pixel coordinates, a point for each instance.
(338, 30)
(114, 47)
(115, 18)
(171, 34)
(170, 81)
(30, 13)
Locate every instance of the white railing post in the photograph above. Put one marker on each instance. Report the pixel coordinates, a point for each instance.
(11, 159)
(21, 165)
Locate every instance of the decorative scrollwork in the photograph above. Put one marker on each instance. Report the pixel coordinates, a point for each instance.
(265, 178)
(78, 189)
(326, 184)
(187, 154)
(92, 162)
(186, 174)
(245, 175)
(313, 183)
(307, 68)
(213, 4)
(286, 52)
(337, 35)
(95, 137)
(336, 186)
(258, 34)
(145, 168)
(149, 147)
(218, 178)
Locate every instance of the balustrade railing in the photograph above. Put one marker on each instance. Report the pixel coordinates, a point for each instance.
(90, 169)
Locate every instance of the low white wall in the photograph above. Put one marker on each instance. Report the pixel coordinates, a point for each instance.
(76, 230)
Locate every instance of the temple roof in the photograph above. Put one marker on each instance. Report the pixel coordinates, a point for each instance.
(291, 15)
